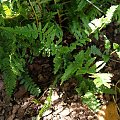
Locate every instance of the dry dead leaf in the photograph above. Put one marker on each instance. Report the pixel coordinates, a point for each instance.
(109, 112)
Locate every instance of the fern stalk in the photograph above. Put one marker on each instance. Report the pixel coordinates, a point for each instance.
(34, 13)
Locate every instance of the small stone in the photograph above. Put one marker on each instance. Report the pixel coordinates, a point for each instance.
(47, 112)
(25, 105)
(65, 112)
(56, 118)
(54, 96)
(73, 105)
(74, 113)
(59, 110)
(82, 117)
(90, 118)
(67, 118)
(75, 97)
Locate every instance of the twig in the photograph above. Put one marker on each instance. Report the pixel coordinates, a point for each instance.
(116, 104)
(94, 6)
(114, 60)
(34, 13)
(58, 12)
(115, 98)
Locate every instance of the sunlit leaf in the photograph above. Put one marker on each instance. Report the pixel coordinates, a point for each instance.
(101, 22)
(118, 53)
(102, 79)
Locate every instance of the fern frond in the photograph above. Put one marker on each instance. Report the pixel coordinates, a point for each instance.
(57, 63)
(30, 85)
(29, 31)
(72, 67)
(9, 80)
(9, 76)
(16, 64)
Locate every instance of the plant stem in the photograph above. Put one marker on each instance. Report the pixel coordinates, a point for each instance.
(34, 12)
(58, 12)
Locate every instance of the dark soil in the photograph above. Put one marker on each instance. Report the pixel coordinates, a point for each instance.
(65, 105)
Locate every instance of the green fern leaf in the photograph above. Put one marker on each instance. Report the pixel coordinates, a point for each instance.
(57, 63)
(71, 69)
(95, 51)
(102, 79)
(30, 85)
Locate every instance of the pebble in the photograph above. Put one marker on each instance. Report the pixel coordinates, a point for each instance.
(47, 112)
(58, 110)
(90, 117)
(65, 112)
(73, 105)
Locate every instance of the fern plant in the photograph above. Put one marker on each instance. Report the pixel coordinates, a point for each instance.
(16, 62)
(41, 26)
(13, 57)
